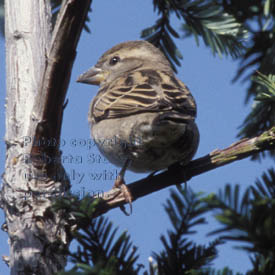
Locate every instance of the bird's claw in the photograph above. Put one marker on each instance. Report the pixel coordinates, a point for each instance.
(120, 183)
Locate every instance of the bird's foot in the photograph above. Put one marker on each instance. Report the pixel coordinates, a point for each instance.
(176, 167)
(120, 183)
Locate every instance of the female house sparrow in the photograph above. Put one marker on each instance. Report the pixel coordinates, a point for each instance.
(142, 117)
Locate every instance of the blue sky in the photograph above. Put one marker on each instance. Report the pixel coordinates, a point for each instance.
(221, 111)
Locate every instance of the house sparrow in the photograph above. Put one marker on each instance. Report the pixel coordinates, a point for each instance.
(142, 117)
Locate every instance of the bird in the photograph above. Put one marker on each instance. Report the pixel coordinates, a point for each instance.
(143, 117)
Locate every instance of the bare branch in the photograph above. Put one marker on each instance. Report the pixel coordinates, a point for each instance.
(48, 109)
(178, 174)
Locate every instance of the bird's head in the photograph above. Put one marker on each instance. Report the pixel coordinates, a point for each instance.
(124, 58)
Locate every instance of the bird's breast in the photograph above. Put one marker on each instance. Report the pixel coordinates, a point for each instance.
(152, 141)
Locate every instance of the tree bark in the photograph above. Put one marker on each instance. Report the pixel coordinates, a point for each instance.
(38, 66)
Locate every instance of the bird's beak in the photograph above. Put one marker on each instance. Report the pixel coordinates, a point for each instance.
(93, 76)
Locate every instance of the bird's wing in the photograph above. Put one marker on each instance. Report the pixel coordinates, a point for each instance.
(143, 91)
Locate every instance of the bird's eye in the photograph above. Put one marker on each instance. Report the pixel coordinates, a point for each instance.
(114, 60)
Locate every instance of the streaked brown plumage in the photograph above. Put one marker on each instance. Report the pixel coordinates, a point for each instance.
(142, 113)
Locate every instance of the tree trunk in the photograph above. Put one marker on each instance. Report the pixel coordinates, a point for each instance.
(38, 66)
